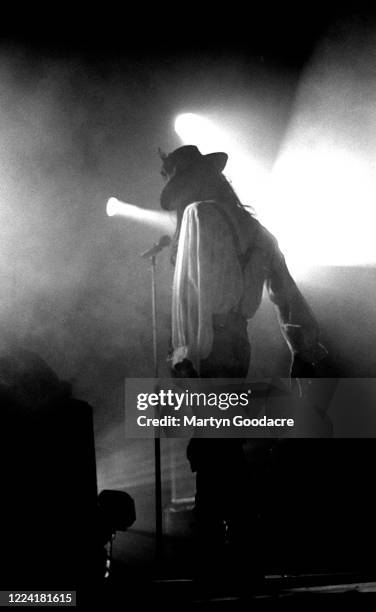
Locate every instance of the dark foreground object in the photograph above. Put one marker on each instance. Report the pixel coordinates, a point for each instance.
(49, 497)
(275, 592)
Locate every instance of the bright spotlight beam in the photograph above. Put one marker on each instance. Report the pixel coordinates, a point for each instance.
(155, 218)
(201, 131)
(308, 200)
(122, 209)
(112, 207)
(248, 175)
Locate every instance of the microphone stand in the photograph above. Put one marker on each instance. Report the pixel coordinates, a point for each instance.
(157, 441)
(151, 254)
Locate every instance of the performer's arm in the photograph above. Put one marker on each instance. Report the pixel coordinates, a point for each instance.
(207, 281)
(298, 323)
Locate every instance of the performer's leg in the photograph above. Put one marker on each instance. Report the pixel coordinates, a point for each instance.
(223, 491)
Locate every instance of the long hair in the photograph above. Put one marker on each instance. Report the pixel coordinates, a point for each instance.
(199, 185)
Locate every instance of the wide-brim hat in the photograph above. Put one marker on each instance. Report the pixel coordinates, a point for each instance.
(186, 159)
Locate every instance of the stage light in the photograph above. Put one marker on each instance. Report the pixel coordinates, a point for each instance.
(116, 207)
(244, 171)
(198, 130)
(322, 207)
(155, 218)
(111, 208)
(317, 200)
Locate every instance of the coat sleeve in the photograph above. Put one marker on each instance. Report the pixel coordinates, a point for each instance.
(297, 321)
(207, 281)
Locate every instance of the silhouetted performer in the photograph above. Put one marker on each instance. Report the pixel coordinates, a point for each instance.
(223, 259)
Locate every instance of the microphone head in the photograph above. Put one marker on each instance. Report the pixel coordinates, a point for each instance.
(164, 241)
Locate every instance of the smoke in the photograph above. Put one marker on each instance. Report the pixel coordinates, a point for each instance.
(324, 178)
(73, 133)
(72, 285)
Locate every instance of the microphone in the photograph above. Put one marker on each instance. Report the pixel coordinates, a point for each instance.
(157, 248)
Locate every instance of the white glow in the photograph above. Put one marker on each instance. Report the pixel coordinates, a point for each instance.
(323, 207)
(199, 130)
(319, 200)
(155, 218)
(112, 207)
(246, 174)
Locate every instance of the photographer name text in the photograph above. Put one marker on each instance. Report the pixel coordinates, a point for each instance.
(212, 422)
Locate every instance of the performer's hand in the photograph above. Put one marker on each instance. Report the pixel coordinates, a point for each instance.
(304, 369)
(301, 368)
(184, 369)
(317, 383)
